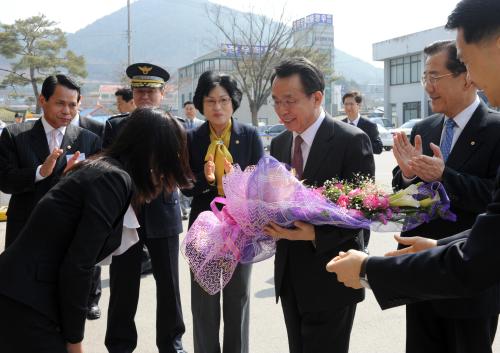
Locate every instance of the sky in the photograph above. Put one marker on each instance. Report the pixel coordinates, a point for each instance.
(357, 24)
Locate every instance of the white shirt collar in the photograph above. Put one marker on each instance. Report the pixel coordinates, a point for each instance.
(309, 133)
(462, 118)
(355, 121)
(48, 128)
(76, 120)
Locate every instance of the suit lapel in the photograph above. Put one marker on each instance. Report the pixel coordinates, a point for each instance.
(469, 139)
(68, 145)
(39, 141)
(236, 140)
(317, 153)
(433, 134)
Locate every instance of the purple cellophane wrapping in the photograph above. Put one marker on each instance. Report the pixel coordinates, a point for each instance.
(260, 194)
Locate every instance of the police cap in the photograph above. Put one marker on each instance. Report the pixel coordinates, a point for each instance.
(147, 75)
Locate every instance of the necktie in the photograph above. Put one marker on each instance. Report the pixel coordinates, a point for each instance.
(53, 140)
(447, 138)
(297, 160)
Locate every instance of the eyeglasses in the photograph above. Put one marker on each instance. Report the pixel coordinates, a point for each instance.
(224, 101)
(433, 79)
(285, 103)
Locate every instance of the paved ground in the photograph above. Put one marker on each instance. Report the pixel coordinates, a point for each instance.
(374, 331)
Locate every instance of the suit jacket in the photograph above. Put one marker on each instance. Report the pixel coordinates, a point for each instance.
(92, 125)
(338, 151)
(245, 147)
(196, 123)
(161, 218)
(370, 128)
(462, 265)
(75, 225)
(23, 147)
(468, 179)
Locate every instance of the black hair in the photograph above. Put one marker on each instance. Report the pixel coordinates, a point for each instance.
(125, 93)
(453, 65)
(186, 103)
(353, 94)
(50, 83)
(208, 81)
(479, 19)
(311, 77)
(152, 142)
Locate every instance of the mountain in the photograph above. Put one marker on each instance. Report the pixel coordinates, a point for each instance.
(170, 33)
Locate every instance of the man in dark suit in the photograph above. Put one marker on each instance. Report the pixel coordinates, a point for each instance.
(161, 225)
(34, 154)
(460, 265)
(318, 310)
(466, 163)
(352, 102)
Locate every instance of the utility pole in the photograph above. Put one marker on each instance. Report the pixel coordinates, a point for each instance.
(128, 34)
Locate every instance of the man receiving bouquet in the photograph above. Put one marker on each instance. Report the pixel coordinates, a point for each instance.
(318, 310)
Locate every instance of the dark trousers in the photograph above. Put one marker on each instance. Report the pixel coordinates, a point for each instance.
(429, 332)
(206, 311)
(95, 289)
(125, 276)
(326, 331)
(25, 330)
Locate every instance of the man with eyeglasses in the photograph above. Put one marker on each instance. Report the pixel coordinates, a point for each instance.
(460, 147)
(160, 226)
(318, 310)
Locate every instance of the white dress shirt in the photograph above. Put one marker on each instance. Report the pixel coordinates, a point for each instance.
(461, 120)
(355, 121)
(308, 137)
(59, 137)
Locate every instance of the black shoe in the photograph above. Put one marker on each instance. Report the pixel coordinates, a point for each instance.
(146, 267)
(93, 313)
(185, 217)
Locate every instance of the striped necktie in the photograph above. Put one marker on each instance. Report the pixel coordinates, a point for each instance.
(449, 126)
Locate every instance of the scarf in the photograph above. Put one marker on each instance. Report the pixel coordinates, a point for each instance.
(218, 148)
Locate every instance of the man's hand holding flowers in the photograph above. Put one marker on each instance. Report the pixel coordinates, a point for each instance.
(302, 231)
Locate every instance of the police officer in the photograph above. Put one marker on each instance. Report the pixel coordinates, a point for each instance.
(160, 226)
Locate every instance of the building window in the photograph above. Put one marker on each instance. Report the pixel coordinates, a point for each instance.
(405, 70)
(190, 96)
(411, 110)
(182, 99)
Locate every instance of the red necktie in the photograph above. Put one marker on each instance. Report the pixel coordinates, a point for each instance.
(297, 161)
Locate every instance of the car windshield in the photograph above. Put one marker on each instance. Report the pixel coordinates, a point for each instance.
(381, 129)
(276, 129)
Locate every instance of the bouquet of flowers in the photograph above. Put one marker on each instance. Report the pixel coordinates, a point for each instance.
(220, 239)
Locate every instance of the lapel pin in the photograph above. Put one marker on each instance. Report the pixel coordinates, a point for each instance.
(237, 142)
(472, 143)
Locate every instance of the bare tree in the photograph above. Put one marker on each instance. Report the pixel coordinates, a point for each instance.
(257, 43)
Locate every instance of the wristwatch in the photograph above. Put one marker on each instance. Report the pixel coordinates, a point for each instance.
(363, 278)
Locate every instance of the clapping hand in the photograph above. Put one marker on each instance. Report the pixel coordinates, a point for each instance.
(404, 152)
(72, 161)
(429, 168)
(209, 168)
(50, 162)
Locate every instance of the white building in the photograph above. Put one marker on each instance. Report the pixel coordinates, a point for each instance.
(404, 60)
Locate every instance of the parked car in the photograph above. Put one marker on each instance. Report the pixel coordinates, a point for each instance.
(406, 127)
(268, 135)
(386, 137)
(382, 121)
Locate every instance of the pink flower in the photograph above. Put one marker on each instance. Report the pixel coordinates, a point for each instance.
(384, 202)
(343, 201)
(353, 193)
(339, 186)
(371, 202)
